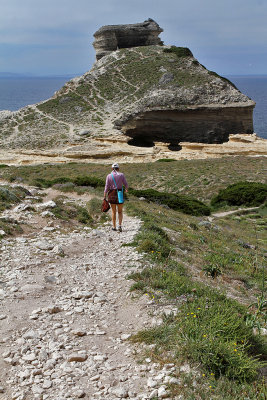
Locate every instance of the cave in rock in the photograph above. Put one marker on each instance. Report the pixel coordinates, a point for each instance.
(141, 141)
(206, 125)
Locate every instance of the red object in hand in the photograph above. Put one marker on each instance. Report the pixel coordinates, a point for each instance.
(105, 206)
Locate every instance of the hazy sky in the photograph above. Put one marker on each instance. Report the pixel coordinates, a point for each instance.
(47, 37)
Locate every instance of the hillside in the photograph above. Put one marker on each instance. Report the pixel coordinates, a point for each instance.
(194, 294)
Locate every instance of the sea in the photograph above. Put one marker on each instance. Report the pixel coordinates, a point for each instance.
(18, 92)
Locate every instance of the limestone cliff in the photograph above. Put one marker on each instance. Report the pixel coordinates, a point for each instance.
(138, 96)
(112, 37)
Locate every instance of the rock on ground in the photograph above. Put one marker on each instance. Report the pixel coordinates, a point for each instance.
(66, 319)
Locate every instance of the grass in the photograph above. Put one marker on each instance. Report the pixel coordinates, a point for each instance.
(183, 176)
(94, 209)
(77, 181)
(69, 211)
(10, 226)
(210, 270)
(210, 330)
(11, 195)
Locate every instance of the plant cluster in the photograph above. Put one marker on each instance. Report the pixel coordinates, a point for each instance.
(179, 51)
(241, 193)
(67, 211)
(78, 181)
(176, 202)
(10, 226)
(11, 195)
(209, 330)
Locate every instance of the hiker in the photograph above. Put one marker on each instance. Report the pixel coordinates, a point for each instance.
(114, 189)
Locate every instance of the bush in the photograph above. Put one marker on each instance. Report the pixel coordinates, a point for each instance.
(11, 195)
(181, 203)
(10, 226)
(241, 193)
(179, 51)
(88, 181)
(83, 216)
(166, 160)
(78, 181)
(46, 183)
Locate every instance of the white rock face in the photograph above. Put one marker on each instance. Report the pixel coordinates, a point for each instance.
(4, 114)
(44, 206)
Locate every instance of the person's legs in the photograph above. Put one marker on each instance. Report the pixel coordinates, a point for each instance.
(120, 206)
(113, 209)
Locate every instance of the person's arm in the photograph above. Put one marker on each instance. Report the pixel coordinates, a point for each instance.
(106, 187)
(125, 183)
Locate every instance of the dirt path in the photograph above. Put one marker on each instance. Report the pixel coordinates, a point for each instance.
(225, 213)
(66, 314)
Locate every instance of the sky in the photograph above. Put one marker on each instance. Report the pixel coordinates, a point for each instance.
(54, 37)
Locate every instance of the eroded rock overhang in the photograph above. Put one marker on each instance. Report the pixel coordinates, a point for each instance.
(206, 124)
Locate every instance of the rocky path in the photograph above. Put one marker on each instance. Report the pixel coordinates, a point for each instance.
(66, 314)
(225, 213)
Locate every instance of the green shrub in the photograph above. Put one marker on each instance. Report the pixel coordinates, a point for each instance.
(153, 240)
(83, 216)
(88, 181)
(179, 51)
(4, 166)
(78, 181)
(11, 195)
(46, 183)
(181, 203)
(68, 211)
(241, 193)
(166, 160)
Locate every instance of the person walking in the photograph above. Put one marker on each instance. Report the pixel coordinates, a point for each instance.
(114, 183)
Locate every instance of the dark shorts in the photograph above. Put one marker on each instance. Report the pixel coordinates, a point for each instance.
(113, 196)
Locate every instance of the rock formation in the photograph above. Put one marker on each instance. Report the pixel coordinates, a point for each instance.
(136, 102)
(112, 37)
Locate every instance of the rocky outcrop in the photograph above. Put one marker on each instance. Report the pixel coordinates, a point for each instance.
(199, 125)
(105, 151)
(112, 37)
(134, 103)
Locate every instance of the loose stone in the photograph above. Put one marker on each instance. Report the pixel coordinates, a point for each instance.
(77, 358)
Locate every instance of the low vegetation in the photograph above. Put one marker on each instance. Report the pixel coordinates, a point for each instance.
(200, 179)
(11, 195)
(179, 51)
(211, 330)
(76, 181)
(210, 270)
(241, 194)
(9, 226)
(69, 211)
(176, 202)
